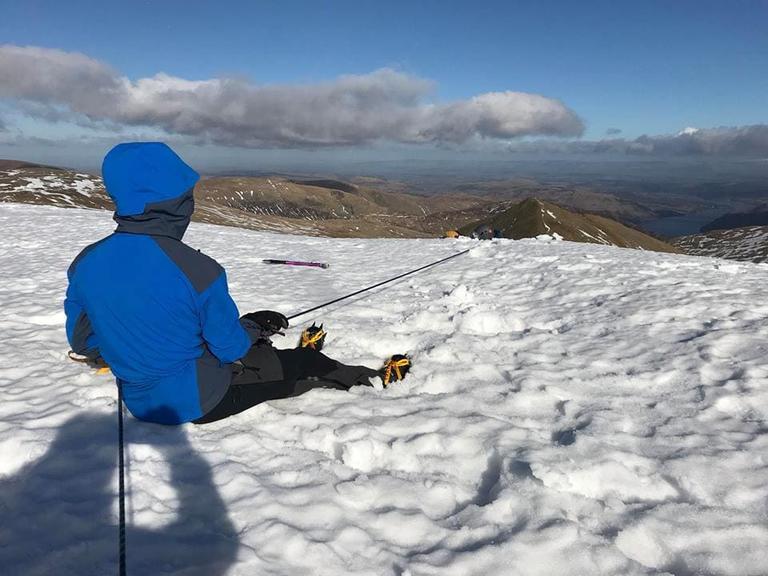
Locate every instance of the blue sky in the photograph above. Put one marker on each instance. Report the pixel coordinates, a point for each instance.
(643, 67)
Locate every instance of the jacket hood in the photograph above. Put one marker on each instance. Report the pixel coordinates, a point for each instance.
(151, 187)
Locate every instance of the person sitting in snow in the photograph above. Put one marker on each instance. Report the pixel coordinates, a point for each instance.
(160, 315)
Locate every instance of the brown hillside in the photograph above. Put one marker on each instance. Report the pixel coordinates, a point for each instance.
(533, 217)
(269, 204)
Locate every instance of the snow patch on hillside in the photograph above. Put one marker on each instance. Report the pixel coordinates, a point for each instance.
(572, 409)
(11, 182)
(748, 244)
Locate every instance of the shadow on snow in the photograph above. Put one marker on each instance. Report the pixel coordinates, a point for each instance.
(58, 514)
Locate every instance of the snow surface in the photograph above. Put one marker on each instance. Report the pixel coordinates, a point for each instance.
(573, 409)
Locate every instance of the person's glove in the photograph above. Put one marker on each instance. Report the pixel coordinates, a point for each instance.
(264, 324)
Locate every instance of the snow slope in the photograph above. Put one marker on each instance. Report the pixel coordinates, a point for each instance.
(573, 409)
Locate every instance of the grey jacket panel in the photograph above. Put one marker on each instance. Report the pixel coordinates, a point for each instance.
(201, 270)
(83, 330)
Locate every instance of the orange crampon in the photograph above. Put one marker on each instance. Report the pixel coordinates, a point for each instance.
(395, 369)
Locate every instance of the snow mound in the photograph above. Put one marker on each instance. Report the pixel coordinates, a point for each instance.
(572, 409)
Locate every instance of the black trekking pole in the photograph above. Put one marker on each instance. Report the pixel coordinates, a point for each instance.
(377, 285)
(121, 483)
(120, 459)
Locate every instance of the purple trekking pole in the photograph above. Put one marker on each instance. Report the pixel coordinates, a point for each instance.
(296, 263)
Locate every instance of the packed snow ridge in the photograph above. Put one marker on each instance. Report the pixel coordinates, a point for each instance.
(572, 409)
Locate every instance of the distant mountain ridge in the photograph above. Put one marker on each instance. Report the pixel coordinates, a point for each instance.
(331, 207)
(533, 217)
(756, 217)
(328, 183)
(14, 164)
(337, 208)
(320, 207)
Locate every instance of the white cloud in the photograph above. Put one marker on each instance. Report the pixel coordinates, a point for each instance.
(501, 115)
(351, 110)
(725, 141)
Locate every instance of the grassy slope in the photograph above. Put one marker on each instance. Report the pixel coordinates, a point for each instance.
(532, 217)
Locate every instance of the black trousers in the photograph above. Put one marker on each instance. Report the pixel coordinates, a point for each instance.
(266, 373)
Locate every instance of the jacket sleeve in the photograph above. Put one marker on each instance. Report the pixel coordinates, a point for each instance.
(79, 331)
(220, 320)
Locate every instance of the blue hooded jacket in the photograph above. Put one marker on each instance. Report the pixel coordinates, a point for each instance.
(157, 311)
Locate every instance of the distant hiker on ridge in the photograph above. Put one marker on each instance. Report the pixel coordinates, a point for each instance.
(160, 315)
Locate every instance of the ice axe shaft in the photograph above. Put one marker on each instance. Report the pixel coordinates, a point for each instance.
(296, 263)
(323, 305)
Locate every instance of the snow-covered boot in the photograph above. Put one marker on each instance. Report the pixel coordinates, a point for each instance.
(313, 337)
(395, 369)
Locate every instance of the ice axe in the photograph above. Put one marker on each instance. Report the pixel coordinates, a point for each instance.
(324, 304)
(296, 263)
